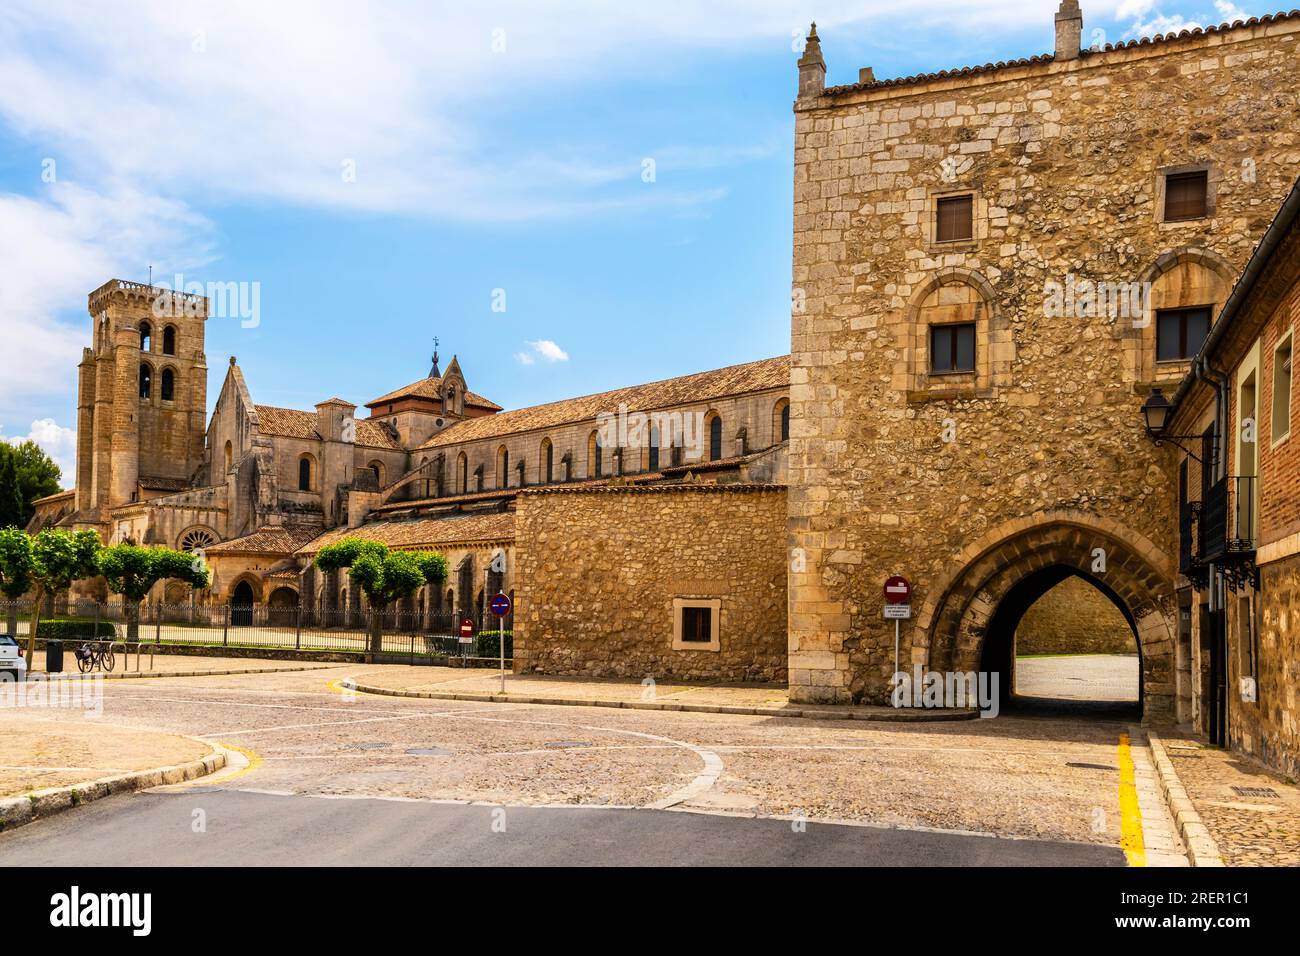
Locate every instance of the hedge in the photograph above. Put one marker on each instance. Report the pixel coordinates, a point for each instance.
(73, 629)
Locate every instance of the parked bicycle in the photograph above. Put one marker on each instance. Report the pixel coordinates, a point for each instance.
(90, 656)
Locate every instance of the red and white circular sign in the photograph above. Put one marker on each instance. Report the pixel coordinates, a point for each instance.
(897, 589)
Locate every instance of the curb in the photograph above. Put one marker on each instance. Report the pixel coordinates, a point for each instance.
(16, 811)
(914, 717)
(144, 675)
(1201, 848)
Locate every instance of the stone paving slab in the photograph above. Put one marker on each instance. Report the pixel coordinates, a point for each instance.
(38, 752)
(1250, 830)
(751, 699)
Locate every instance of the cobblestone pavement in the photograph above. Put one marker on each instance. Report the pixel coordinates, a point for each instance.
(1252, 829)
(1079, 676)
(1056, 779)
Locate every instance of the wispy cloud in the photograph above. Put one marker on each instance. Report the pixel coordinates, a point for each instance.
(58, 442)
(543, 349)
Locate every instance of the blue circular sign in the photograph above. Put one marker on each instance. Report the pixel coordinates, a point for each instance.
(499, 605)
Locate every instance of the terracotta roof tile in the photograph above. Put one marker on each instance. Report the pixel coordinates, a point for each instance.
(431, 388)
(164, 484)
(686, 389)
(292, 423)
(268, 540)
(424, 532)
(1048, 57)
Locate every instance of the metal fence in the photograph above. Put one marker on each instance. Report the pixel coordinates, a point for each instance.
(404, 633)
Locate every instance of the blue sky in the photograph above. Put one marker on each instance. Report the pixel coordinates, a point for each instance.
(380, 171)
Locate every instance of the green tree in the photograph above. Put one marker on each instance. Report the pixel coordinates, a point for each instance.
(58, 558)
(15, 572)
(36, 474)
(385, 576)
(132, 571)
(12, 505)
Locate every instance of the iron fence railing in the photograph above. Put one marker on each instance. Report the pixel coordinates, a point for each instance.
(418, 633)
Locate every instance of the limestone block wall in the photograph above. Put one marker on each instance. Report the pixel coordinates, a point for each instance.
(1074, 618)
(598, 570)
(1269, 727)
(893, 470)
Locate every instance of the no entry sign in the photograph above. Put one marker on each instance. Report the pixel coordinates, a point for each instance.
(499, 605)
(467, 628)
(897, 589)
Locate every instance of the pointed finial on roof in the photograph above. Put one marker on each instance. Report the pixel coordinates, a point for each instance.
(812, 68)
(433, 372)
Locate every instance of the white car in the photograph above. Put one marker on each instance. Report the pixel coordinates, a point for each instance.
(11, 657)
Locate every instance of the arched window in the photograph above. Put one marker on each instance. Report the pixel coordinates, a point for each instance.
(715, 438)
(168, 385)
(653, 463)
(146, 381)
(594, 455)
(377, 469)
(229, 457)
(304, 473)
(462, 474)
(781, 421)
(503, 467)
(547, 464)
(169, 340)
(146, 337)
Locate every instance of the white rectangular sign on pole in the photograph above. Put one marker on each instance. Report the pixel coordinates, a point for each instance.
(898, 612)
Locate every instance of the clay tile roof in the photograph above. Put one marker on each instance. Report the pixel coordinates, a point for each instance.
(164, 484)
(431, 388)
(292, 423)
(424, 532)
(1048, 57)
(55, 497)
(687, 389)
(268, 540)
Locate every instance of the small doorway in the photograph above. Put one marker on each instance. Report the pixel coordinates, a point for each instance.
(1214, 634)
(241, 605)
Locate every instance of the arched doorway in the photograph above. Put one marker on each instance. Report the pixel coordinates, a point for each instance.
(1052, 612)
(282, 607)
(969, 620)
(241, 605)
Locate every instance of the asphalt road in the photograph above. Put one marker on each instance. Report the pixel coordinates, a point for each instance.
(242, 828)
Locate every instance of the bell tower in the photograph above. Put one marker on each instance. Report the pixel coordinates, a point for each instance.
(141, 395)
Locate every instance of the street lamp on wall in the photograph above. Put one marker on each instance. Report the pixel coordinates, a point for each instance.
(1155, 412)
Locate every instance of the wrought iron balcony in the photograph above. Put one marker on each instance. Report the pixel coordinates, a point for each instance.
(1227, 530)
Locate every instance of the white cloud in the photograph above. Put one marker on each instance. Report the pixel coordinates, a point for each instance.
(524, 358)
(59, 443)
(549, 351)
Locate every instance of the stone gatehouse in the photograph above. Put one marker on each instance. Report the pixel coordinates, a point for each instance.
(992, 267)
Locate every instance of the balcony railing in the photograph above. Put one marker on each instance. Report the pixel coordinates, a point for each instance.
(1226, 526)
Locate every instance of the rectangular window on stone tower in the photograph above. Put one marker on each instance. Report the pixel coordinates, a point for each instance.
(952, 348)
(1186, 195)
(1180, 332)
(954, 218)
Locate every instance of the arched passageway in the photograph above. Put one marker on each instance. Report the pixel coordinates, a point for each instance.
(241, 605)
(968, 622)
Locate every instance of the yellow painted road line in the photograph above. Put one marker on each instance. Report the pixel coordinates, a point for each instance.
(1130, 814)
(254, 762)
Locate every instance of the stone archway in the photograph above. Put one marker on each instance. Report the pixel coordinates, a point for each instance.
(955, 622)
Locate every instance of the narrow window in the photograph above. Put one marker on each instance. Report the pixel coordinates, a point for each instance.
(697, 625)
(169, 340)
(954, 218)
(146, 337)
(168, 385)
(952, 348)
(715, 438)
(1180, 332)
(550, 462)
(1282, 390)
(146, 381)
(304, 474)
(785, 423)
(1186, 195)
(653, 463)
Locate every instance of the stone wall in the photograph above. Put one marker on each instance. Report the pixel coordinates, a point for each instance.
(1269, 728)
(598, 570)
(1074, 618)
(946, 478)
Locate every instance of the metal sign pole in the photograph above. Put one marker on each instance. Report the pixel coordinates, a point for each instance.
(501, 647)
(895, 648)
